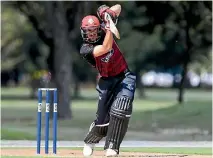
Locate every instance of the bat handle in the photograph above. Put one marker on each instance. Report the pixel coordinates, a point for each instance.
(106, 16)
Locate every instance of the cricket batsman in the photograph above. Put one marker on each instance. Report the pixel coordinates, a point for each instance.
(116, 86)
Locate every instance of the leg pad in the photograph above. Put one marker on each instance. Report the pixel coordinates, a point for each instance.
(120, 114)
(96, 133)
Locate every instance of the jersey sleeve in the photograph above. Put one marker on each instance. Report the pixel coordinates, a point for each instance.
(86, 53)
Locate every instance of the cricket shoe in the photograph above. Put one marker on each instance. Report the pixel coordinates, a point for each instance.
(88, 149)
(111, 153)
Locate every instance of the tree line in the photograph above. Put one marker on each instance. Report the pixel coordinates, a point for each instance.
(46, 35)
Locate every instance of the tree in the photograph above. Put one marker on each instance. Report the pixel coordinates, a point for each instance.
(178, 34)
(17, 36)
(49, 20)
(14, 36)
(195, 25)
(57, 25)
(138, 43)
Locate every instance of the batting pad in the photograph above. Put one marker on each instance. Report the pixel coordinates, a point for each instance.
(96, 133)
(120, 113)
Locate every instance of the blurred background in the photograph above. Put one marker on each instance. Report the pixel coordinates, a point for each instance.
(167, 44)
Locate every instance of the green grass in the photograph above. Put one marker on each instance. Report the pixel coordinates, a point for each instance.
(158, 111)
(16, 135)
(152, 94)
(191, 115)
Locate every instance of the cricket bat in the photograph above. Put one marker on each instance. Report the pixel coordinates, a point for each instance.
(112, 26)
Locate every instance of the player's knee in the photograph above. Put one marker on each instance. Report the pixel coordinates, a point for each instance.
(122, 107)
(128, 87)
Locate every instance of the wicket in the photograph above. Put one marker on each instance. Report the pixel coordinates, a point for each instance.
(48, 90)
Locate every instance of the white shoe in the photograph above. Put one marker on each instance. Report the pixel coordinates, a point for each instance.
(88, 149)
(111, 152)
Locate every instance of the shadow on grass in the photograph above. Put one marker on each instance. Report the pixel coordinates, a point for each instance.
(190, 115)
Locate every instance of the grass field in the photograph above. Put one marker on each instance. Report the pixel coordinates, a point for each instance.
(152, 117)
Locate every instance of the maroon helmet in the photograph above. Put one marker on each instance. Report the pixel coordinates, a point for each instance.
(90, 29)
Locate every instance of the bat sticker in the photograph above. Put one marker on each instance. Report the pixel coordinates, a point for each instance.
(112, 26)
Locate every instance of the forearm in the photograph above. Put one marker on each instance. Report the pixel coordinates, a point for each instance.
(105, 47)
(108, 40)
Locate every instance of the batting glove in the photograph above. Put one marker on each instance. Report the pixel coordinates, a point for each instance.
(102, 9)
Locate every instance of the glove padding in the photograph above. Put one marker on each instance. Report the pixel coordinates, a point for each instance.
(102, 9)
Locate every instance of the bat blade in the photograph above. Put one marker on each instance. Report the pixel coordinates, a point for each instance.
(112, 26)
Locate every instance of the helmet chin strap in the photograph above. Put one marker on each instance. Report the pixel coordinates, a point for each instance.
(98, 38)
